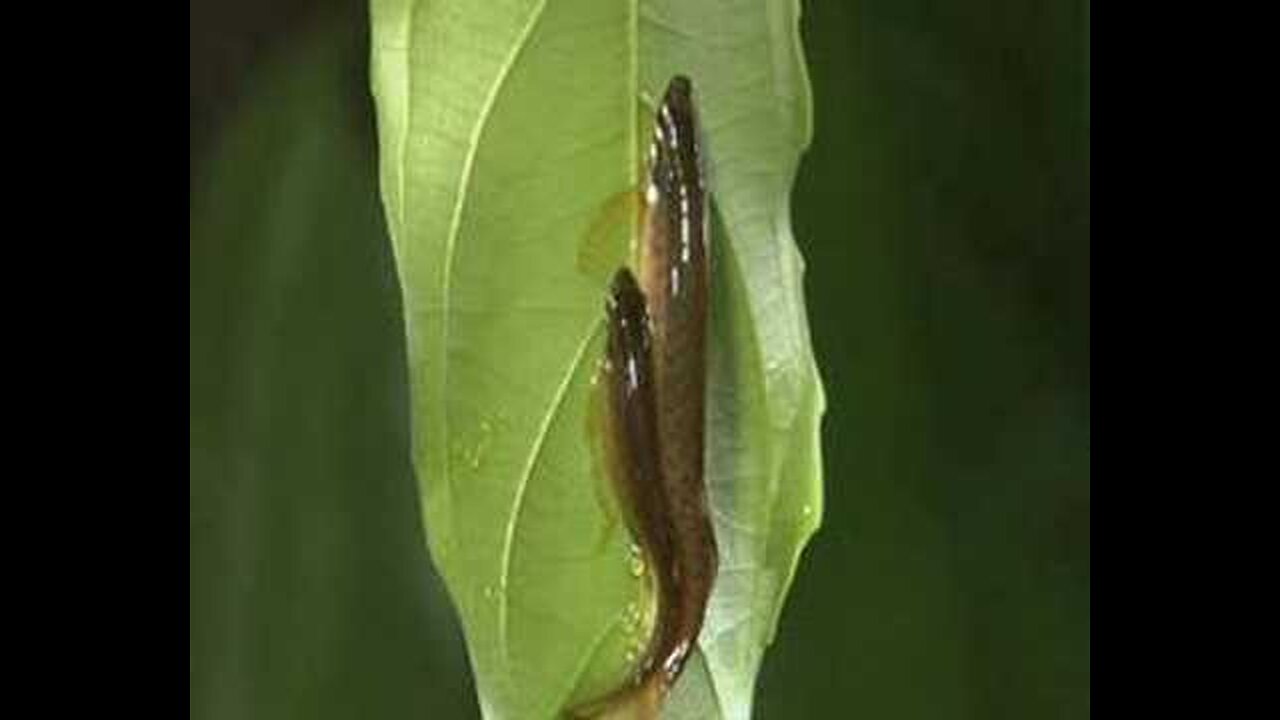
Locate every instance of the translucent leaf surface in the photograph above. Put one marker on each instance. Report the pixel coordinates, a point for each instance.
(507, 129)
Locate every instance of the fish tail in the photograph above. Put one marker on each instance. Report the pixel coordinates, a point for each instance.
(636, 701)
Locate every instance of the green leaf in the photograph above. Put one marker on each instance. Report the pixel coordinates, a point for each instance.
(507, 129)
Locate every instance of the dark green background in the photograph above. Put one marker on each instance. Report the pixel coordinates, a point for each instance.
(944, 213)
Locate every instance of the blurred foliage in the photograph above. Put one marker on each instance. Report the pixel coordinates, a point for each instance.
(943, 210)
(311, 596)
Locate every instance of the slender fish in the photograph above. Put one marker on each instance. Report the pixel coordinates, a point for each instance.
(675, 276)
(655, 382)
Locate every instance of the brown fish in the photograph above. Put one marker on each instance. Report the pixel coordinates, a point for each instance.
(655, 395)
(675, 276)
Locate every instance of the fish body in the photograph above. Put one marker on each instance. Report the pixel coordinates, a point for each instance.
(675, 279)
(654, 410)
(655, 383)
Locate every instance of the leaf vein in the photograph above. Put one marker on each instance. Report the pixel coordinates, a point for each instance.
(535, 451)
(455, 223)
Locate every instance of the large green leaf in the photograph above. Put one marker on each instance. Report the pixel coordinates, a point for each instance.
(507, 129)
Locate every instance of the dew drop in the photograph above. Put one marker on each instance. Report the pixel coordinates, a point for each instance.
(651, 190)
(635, 560)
